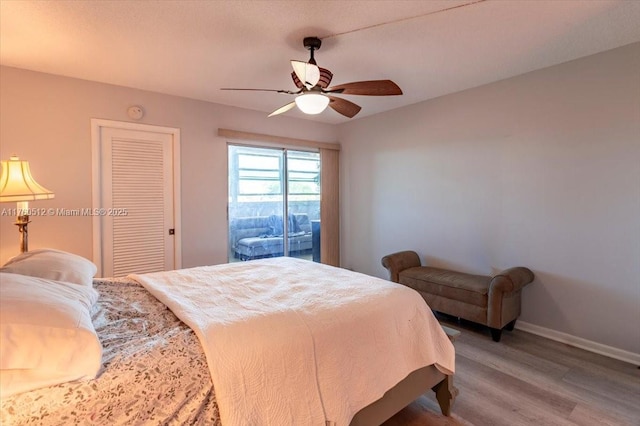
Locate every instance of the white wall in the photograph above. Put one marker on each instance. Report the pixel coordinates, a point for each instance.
(540, 170)
(46, 119)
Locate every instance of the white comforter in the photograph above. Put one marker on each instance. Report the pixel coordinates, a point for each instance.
(291, 342)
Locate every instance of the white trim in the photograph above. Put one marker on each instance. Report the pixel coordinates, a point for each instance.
(96, 125)
(95, 194)
(579, 342)
(177, 201)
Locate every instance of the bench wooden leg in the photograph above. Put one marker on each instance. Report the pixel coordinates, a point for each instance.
(496, 334)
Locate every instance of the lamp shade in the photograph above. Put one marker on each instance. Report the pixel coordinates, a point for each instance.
(17, 184)
(312, 103)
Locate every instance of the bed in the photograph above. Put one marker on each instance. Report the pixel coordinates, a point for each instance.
(155, 369)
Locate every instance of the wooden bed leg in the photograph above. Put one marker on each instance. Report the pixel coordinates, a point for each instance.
(446, 394)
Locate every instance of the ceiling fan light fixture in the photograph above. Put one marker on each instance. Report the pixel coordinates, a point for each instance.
(312, 103)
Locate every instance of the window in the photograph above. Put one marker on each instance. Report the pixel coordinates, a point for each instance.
(258, 174)
(255, 174)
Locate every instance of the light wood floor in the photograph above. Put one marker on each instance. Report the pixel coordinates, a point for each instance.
(529, 380)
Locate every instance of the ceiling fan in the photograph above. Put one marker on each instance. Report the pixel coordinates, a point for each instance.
(314, 96)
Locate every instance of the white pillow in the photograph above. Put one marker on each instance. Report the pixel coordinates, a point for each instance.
(52, 265)
(46, 333)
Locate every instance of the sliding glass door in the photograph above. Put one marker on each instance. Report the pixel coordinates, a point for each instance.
(274, 203)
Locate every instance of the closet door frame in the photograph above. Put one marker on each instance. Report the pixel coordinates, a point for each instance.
(97, 126)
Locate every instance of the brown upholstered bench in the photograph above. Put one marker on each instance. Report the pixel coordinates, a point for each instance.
(491, 301)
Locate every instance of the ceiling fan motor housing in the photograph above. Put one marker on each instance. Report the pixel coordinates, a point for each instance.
(325, 79)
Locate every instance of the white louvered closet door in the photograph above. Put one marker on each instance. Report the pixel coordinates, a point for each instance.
(137, 198)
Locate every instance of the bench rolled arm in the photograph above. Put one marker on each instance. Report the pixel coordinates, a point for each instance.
(512, 279)
(398, 262)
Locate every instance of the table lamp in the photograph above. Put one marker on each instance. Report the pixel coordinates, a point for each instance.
(17, 185)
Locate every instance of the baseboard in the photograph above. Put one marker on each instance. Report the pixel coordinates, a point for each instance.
(579, 342)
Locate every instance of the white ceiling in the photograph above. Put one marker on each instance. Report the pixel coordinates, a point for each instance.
(194, 48)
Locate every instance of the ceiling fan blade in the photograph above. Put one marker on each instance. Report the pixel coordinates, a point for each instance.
(367, 88)
(300, 68)
(308, 73)
(282, 109)
(343, 106)
(288, 92)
